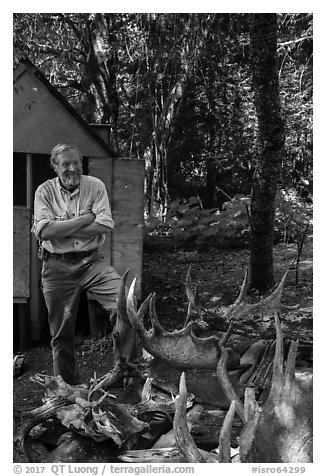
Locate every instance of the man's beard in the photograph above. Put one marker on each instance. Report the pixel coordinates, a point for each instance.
(71, 181)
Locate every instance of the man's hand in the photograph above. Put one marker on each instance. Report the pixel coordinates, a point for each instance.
(89, 218)
(91, 230)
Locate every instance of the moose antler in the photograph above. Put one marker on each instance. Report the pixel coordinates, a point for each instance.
(279, 431)
(227, 385)
(33, 418)
(125, 345)
(239, 310)
(225, 435)
(193, 300)
(184, 440)
(181, 348)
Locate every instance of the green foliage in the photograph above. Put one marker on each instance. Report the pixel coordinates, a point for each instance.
(188, 225)
(191, 226)
(295, 52)
(123, 69)
(293, 215)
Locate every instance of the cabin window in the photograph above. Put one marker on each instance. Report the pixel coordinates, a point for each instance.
(41, 171)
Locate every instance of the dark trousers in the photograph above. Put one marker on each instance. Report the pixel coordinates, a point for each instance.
(62, 283)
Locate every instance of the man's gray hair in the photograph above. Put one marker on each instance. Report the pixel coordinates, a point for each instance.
(58, 149)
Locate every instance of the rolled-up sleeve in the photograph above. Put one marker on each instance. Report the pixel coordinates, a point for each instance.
(43, 214)
(101, 207)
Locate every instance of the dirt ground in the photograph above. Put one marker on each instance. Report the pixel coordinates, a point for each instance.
(218, 273)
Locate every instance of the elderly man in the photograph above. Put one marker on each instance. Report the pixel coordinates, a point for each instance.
(72, 215)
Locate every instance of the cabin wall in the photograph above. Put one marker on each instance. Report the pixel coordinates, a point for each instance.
(124, 180)
(21, 253)
(102, 169)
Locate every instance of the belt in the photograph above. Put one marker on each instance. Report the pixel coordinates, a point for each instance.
(73, 255)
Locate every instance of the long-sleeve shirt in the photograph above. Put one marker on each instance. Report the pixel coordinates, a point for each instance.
(53, 202)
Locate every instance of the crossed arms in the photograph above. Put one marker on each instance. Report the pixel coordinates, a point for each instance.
(51, 220)
(81, 227)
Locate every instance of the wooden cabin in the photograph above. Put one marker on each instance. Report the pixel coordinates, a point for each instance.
(43, 118)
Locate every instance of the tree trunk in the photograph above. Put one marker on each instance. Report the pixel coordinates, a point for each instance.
(162, 136)
(271, 143)
(190, 48)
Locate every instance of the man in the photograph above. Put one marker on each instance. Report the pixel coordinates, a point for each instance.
(72, 215)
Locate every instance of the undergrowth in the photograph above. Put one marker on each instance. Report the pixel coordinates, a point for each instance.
(188, 225)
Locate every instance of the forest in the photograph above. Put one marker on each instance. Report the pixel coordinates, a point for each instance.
(219, 106)
(190, 94)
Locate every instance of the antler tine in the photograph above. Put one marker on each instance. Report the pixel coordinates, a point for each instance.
(190, 294)
(193, 304)
(225, 435)
(153, 315)
(130, 298)
(247, 435)
(188, 314)
(183, 437)
(121, 298)
(143, 308)
(243, 290)
(136, 317)
(146, 392)
(290, 363)
(277, 380)
(225, 337)
(193, 298)
(276, 295)
(227, 385)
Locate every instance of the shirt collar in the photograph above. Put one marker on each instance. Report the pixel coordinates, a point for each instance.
(64, 190)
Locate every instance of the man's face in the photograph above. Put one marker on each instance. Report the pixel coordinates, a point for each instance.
(69, 168)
